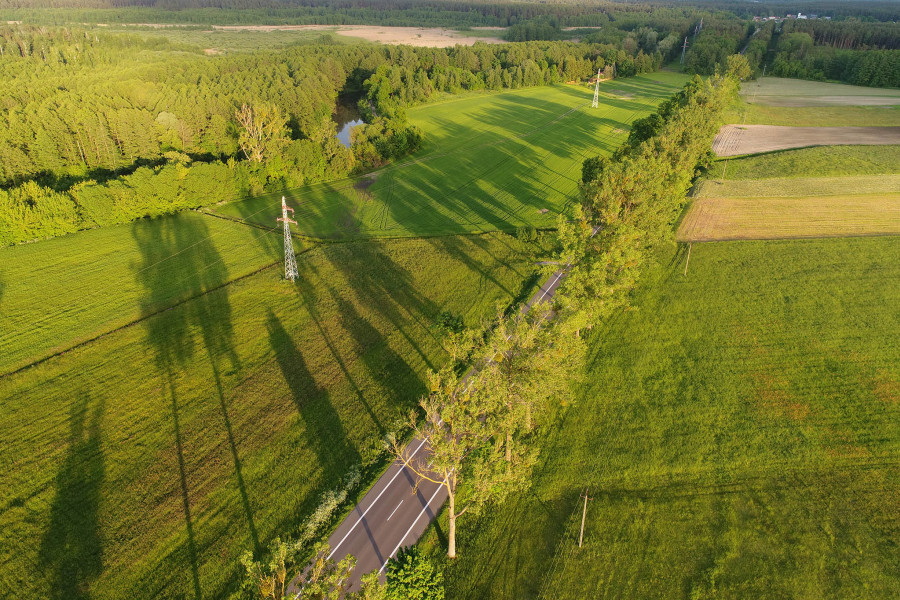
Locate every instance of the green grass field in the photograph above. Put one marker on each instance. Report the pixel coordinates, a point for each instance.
(822, 161)
(489, 162)
(62, 291)
(739, 437)
(142, 464)
(799, 103)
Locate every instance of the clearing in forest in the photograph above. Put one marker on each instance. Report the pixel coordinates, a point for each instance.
(736, 140)
(492, 161)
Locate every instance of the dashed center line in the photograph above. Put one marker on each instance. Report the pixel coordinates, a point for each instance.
(395, 510)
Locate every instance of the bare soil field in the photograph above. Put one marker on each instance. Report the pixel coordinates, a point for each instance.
(736, 140)
(720, 219)
(776, 91)
(431, 37)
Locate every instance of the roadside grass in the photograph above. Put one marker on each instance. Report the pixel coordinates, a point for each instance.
(714, 218)
(489, 162)
(59, 292)
(143, 464)
(821, 161)
(738, 434)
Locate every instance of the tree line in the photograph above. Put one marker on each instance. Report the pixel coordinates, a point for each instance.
(504, 379)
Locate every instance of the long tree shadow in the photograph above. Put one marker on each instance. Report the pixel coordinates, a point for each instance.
(178, 256)
(72, 548)
(387, 287)
(324, 428)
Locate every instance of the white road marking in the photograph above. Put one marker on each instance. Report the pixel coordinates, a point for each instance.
(395, 510)
(400, 470)
(411, 526)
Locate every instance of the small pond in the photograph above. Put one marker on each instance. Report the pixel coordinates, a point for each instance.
(346, 115)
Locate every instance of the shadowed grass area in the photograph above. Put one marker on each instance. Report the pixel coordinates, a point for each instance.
(489, 162)
(141, 465)
(69, 289)
(739, 436)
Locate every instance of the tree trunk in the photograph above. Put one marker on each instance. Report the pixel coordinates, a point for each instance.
(509, 445)
(451, 527)
(528, 416)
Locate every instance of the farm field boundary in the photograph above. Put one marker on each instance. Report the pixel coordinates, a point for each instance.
(798, 186)
(737, 140)
(717, 219)
(784, 92)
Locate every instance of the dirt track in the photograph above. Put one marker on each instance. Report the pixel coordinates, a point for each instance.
(735, 140)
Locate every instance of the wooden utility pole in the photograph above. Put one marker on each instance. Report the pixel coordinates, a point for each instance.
(583, 515)
(688, 261)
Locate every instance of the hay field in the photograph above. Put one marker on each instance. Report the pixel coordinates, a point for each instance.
(432, 37)
(737, 140)
(792, 207)
(760, 218)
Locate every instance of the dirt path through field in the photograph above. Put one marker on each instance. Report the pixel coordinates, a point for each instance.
(736, 140)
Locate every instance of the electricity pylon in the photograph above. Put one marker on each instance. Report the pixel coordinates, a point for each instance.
(596, 102)
(290, 262)
(684, 49)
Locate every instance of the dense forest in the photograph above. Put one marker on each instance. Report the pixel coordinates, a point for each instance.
(108, 128)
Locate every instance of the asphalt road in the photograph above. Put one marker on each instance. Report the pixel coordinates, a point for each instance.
(394, 513)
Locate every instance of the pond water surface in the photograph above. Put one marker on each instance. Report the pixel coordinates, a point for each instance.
(347, 116)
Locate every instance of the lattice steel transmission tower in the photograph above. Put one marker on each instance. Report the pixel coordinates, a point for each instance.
(596, 102)
(290, 262)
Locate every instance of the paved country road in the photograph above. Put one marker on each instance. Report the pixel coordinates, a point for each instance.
(394, 513)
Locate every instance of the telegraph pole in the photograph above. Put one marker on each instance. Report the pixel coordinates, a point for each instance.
(583, 515)
(290, 261)
(596, 102)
